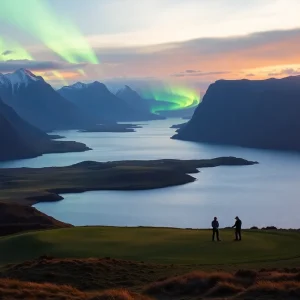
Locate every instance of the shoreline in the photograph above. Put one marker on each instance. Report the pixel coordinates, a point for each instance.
(30, 186)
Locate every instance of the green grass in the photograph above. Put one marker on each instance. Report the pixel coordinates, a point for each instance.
(157, 245)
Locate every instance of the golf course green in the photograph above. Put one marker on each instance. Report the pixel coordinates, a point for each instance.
(156, 245)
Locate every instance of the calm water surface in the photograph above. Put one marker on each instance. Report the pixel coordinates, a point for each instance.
(264, 194)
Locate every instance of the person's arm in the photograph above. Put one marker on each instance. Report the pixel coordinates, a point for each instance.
(212, 224)
(217, 224)
(234, 225)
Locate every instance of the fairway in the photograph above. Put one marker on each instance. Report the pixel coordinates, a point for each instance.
(156, 245)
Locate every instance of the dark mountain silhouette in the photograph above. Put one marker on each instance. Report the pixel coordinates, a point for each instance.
(97, 101)
(38, 103)
(26, 130)
(260, 114)
(132, 98)
(19, 139)
(13, 146)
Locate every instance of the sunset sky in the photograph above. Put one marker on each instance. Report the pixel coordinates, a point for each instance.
(194, 42)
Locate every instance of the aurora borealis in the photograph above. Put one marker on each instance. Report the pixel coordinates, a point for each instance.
(135, 42)
(60, 36)
(10, 50)
(171, 97)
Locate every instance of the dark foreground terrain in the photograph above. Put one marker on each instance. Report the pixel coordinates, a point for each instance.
(149, 263)
(32, 185)
(109, 279)
(17, 218)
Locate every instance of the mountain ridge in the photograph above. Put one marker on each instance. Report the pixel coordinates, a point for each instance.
(96, 100)
(38, 103)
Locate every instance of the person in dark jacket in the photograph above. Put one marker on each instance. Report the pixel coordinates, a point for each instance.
(215, 228)
(238, 228)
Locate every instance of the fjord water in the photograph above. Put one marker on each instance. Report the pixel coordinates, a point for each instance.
(262, 195)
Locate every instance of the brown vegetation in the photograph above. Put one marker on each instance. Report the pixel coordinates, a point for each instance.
(14, 289)
(244, 284)
(17, 218)
(97, 279)
(89, 274)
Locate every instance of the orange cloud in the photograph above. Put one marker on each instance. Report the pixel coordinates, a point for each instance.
(215, 58)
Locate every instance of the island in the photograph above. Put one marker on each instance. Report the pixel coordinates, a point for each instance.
(111, 128)
(32, 185)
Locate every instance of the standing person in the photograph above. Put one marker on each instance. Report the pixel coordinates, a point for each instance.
(238, 228)
(215, 227)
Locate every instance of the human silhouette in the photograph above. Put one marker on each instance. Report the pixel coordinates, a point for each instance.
(215, 228)
(238, 228)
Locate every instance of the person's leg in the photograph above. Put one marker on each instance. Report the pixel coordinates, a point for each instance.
(218, 237)
(240, 234)
(236, 235)
(213, 235)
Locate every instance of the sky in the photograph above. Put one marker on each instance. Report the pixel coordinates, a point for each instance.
(179, 42)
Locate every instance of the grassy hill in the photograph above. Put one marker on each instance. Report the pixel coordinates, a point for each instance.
(105, 263)
(156, 245)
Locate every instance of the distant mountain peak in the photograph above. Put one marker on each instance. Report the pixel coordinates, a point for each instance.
(21, 77)
(127, 90)
(79, 85)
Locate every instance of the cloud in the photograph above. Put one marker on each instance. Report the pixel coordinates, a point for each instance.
(202, 60)
(286, 72)
(12, 65)
(198, 73)
(262, 49)
(192, 71)
(7, 52)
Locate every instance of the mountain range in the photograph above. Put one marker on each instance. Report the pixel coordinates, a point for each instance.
(257, 113)
(95, 100)
(38, 103)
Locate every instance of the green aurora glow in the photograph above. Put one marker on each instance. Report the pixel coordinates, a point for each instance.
(172, 97)
(37, 18)
(14, 51)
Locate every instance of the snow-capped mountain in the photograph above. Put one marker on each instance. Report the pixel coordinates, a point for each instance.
(97, 101)
(18, 79)
(38, 103)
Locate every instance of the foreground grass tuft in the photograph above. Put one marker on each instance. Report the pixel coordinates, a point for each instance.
(110, 279)
(14, 289)
(241, 285)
